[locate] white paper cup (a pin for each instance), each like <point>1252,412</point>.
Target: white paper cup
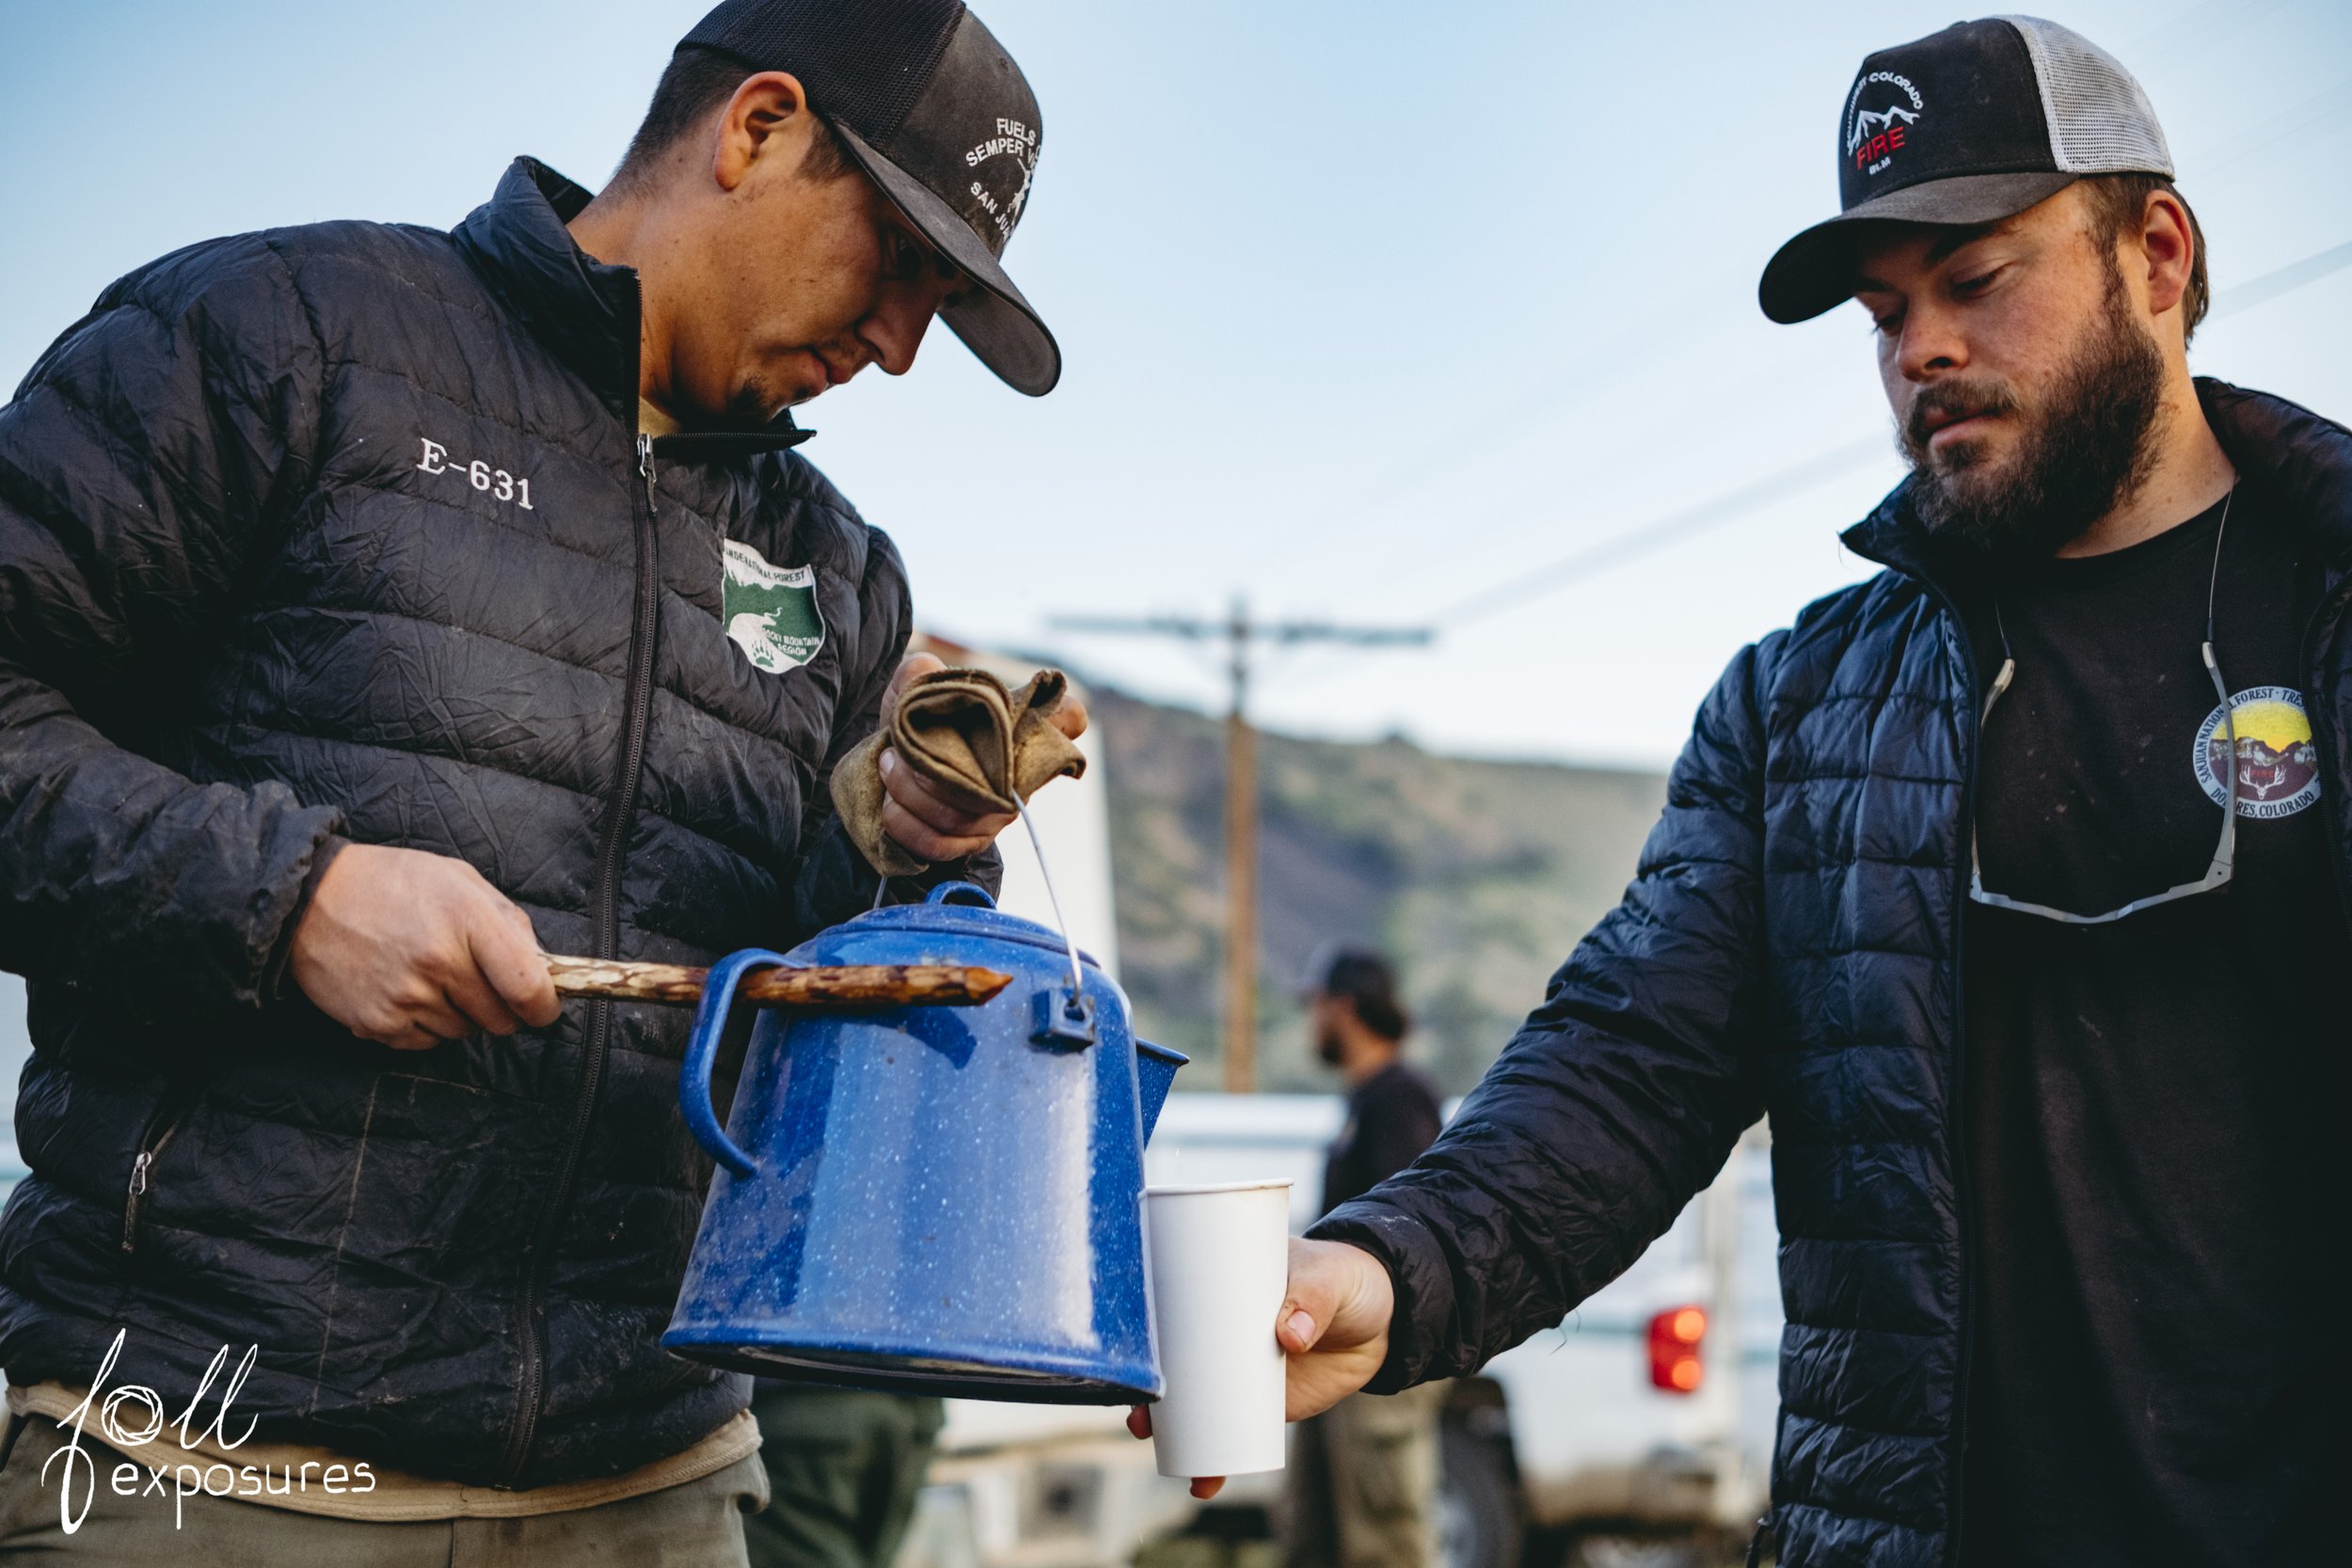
<point>1219,1257</point>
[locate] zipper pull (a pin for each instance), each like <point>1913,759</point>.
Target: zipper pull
<point>644,465</point>
<point>130,1203</point>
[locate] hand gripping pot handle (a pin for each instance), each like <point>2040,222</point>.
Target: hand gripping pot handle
<point>702,1053</point>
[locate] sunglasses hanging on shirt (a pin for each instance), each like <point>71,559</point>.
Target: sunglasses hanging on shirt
<point>2224,855</point>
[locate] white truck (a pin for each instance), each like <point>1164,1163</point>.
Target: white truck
<point>1636,1432</point>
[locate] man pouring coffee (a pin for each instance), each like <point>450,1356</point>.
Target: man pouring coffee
<point>378,607</point>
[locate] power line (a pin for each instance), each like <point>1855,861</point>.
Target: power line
<point>1241,636</point>
<point>1281,632</point>
<point>2270,285</point>
<point>1755,496</point>
<point>1711,513</point>
<point>2192,27</point>
<point>2270,135</point>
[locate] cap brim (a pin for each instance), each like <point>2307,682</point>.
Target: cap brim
<point>997,324</point>
<point>1815,272</point>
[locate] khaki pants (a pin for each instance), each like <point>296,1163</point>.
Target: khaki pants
<point>1363,1483</point>
<point>697,1525</point>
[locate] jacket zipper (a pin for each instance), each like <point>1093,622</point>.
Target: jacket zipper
<point>169,1113</point>
<point>639,699</point>
<point>1971,746</point>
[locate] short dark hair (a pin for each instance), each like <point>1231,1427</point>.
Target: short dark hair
<point>1365,982</point>
<point>696,86</point>
<point>2119,204</point>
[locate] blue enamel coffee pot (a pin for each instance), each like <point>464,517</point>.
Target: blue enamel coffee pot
<point>934,1199</point>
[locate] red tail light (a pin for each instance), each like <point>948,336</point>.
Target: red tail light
<point>1675,1336</point>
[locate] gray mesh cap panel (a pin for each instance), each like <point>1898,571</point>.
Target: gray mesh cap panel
<point>2101,121</point>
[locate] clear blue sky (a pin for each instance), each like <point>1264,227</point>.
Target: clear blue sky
<point>1366,307</point>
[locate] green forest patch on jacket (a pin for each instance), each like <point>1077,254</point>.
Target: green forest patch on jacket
<point>770,612</point>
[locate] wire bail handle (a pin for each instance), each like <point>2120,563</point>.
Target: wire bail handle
<point>1070,1019</point>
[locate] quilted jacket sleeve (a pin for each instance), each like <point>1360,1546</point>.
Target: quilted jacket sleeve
<point>834,883</point>
<point>1619,1098</point>
<point>150,453</point>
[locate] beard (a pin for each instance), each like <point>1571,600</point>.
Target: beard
<point>2081,452</point>
<point>756,405</point>
<point>1330,1048</point>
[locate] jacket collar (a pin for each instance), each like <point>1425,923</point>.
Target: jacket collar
<point>2292,452</point>
<point>585,312</point>
<point>2301,457</point>
<point>582,310</point>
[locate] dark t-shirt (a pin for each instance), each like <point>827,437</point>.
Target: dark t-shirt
<point>1391,1116</point>
<point>2153,1109</point>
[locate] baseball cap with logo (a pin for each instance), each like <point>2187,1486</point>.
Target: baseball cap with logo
<point>1967,126</point>
<point>927,102</point>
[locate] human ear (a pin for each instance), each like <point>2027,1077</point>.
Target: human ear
<point>2170,242</point>
<point>768,112</point>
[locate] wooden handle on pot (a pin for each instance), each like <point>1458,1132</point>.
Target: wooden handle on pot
<point>837,988</point>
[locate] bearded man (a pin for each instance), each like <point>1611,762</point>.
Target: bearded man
<point>2007,883</point>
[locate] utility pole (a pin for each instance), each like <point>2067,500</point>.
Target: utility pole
<point>1241,866</point>
<point>1241,635</point>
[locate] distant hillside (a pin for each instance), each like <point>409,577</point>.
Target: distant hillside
<point>1478,877</point>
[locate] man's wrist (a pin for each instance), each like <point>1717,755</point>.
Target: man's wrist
<point>1352,1225</point>
<point>274,980</point>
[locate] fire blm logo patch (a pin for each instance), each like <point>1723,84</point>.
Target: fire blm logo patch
<point>770,612</point>
<point>2278,767</point>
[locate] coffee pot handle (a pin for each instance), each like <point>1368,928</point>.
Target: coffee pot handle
<point>702,1053</point>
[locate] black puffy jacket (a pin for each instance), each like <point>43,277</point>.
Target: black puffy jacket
<point>1791,944</point>
<point>349,530</point>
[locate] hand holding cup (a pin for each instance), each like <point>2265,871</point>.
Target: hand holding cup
<point>1331,1329</point>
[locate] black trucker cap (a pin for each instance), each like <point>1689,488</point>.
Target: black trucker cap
<point>1970,125</point>
<point>931,107</point>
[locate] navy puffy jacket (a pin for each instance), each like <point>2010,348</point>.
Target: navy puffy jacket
<point>347,530</point>
<point>1792,945</point>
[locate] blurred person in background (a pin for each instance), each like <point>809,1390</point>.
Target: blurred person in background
<point>1363,1474</point>
<point>844,1468</point>
<point>378,607</point>
<point>2010,883</point>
